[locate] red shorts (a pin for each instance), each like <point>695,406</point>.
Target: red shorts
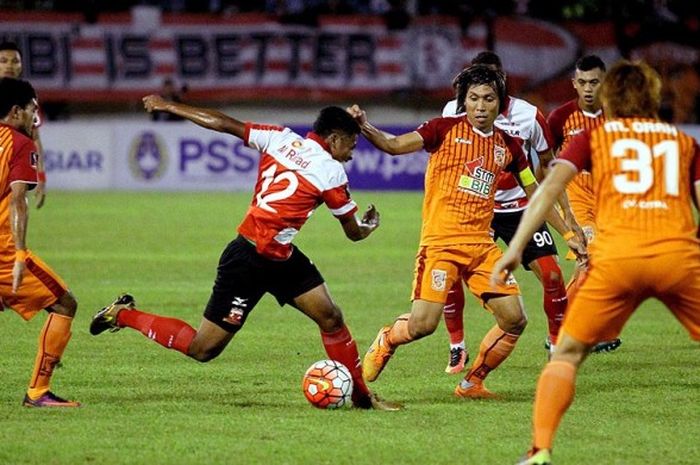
<point>439,267</point>
<point>613,289</point>
<point>40,287</point>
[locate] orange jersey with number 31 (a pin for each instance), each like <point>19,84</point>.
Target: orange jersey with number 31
<point>642,173</point>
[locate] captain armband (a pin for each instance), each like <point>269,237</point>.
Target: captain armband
<point>526,177</point>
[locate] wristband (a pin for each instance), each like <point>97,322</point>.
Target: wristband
<point>20,255</point>
<point>41,176</point>
<point>568,235</point>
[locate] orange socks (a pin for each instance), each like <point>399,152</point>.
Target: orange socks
<point>555,392</point>
<point>494,349</point>
<point>53,338</point>
<point>398,334</point>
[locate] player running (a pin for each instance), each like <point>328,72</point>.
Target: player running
<point>642,170</point>
<point>296,175</point>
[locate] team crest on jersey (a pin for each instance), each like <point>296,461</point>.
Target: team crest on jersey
<point>237,312</point>
<point>499,155</point>
<point>438,280</point>
<point>477,180</point>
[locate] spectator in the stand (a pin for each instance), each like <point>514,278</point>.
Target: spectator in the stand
<point>170,92</point>
<point>684,87</point>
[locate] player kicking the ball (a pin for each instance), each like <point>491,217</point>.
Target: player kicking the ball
<point>296,174</point>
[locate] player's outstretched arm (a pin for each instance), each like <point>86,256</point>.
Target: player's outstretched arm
<point>40,189</point>
<point>389,143</point>
<point>18,225</point>
<point>541,208</point>
<point>546,158</point>
<point>205,117</point>
<point>357,229</point>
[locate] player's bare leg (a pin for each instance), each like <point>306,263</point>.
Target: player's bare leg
<point>496,346</point>
<point>421,322</point>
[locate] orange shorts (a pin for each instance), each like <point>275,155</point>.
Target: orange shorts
<point>439,267</point>
<point>40,287</point>
<point>613,289</point>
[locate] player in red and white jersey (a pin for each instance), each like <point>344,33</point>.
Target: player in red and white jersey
<point>524,121</point>
<point>11,66</point>
<point>296,175</point>
<point>645,174</point>
<point>572,118</point>
<point>467,156</point>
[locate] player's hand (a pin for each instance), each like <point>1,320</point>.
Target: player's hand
<point>371,217</point>
<point>579,248</point>
<point>40,194</point>
<point>154,103</point>
<point>577,230</point>
<point>17,275</point>
<point>505,266</point>
<point>358,114</point>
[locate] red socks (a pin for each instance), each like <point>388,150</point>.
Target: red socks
<point>454,313</point>
<point>340,346</point>
<point>168,332</point>
<point>554,294</point>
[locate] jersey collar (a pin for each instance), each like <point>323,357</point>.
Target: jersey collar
<point>319,140</point>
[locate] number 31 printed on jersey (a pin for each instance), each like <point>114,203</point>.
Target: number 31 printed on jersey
<point>642,165</point>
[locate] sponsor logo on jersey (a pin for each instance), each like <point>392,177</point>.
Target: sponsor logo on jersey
<point>148,157</point>
<point>499,155</point>
<point>33,159</point>
<point>478,180</point>
<point>438,280</point>
<point>460,140</point>
<point>576,131</point>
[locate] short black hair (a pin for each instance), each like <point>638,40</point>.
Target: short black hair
<point>332,119</point>
<point>589,62</point>
<point>477,75</point>
<point>487,57</point>
<point>14,92</point>
<point>7,45</point>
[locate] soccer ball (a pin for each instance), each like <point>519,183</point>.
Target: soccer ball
<point>327,384</point>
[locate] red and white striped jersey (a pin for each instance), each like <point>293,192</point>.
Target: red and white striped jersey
<point>295,176</point>
<point>524,121</point>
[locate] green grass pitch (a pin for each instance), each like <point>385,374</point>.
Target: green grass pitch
<point>147,405</point>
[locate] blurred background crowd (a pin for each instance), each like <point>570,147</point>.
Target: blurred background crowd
<point>664,32</point>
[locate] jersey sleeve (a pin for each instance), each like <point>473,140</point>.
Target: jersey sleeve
<point>555,121</point>
<point>433,131</point>
<point>519,161</point>
<point>541,138</point>
<point>262,136</point>
<point>577,152</point>
<point>339,202</point>
<point>23,163</point>
<point>450,108</point>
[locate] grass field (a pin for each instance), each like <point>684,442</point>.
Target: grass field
<point>146,405</point>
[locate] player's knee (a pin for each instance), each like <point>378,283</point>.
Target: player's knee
<point>552,277</point>
<point>204,354</point>
<point>331,320</point>
<point>66,305</point>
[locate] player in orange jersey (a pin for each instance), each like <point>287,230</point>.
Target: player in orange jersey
<point>28,284</point>
<point>646,245</point>
<point>295,176</point>
<point>467,155</point>
<point>574,117</point>
<point>11,66</point>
